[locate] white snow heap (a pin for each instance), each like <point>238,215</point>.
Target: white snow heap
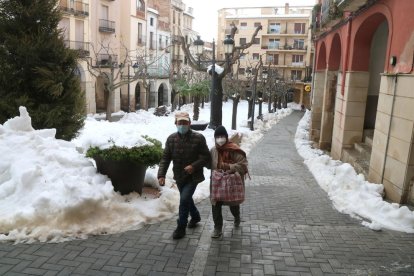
<point>22,123</point>
<point>217,68</point>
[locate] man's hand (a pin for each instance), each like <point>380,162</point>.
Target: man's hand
<point>161,181</point>
<point>189,169</point>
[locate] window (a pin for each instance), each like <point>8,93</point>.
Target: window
<point>299,28</point>
<point>297,58</point>
<point>298,43</point>
<point>151,40</point>
<point>241,71</point>
<point>256,40</point>
<point>173,17</point>
<point>140,5</point>
<point>242,56</point>
<point>242,41</point>
<point>273,59</point>
<point>274,28</point>
<point>140,40</point>
<point>257,24</point>
<point>274,43</point>
<point>160,42</point>
<point>151,21</point>
<point>255,56</point>
<point>295,75</point>
<point>243,25</point>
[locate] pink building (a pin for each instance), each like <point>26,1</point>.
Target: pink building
<point>363,89</point>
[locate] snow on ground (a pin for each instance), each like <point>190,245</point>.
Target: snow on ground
<point>50,192</point>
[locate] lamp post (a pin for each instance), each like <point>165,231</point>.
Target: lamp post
<point>215,96</point>
<point>135,67</point>
<point>264,78</point>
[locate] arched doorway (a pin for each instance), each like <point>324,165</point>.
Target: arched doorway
<point>101,98</point>
<point>376,67</point>
<point>160,95</point>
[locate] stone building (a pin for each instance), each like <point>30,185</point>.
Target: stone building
<point>362,99</point>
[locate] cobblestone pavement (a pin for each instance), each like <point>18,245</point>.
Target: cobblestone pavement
<point>289,227</point>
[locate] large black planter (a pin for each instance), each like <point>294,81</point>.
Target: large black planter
<point>126,176</point>
<point>199,126</point>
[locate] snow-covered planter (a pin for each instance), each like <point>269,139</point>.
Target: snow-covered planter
<point>126,166</point>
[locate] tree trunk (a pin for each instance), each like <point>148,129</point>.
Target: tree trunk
<point>216,103</point>
<point>249,113</point>
<point>234,115</point>
<point>196,109</point>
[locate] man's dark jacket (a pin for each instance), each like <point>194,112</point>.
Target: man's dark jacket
<point>183,150</point>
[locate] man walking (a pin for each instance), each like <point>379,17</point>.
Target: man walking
<point>189,153</point>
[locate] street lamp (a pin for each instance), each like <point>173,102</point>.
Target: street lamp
<point>216,96</point>
<point>264,78</point>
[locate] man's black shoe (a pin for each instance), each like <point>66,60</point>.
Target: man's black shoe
<point>193,222</point>
<point>179,232</point>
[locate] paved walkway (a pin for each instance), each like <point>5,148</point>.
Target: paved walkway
<point>289,227</point>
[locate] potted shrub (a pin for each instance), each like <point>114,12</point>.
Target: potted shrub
<point>126,166</point>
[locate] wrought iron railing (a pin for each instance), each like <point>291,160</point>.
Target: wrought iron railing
<point>82,47</point>
<point>74,7</point>
<point>106,26</point>
<point>107,60</point>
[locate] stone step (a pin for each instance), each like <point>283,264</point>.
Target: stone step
<point>364,149</point>
<point>368,140</point>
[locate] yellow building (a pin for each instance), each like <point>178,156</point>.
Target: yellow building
<point>284,43</point>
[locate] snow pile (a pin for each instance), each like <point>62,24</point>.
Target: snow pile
<point>351,193</point>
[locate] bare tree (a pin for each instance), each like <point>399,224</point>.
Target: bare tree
<point>227,65</point>
<point>105,65</point>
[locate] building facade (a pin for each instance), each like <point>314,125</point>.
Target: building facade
<point>283,44</point>
<point>115,37</point>
<point>362,98</point>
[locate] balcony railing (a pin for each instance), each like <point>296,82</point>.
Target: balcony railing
<point>178,4</point>
<point>107,60</point>
<point>106,26</point>
<point>330,13</point>
<point>350,5</point>
<point>298,64</point>
<point>141,13</point>
<point>80,46</point>
<point>285,47</point>
<point>163,25</point>
<point>77,8</point>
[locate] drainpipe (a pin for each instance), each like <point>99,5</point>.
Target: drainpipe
<point>389,128</point>
<point>345,66</point>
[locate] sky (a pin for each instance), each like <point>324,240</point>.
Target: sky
<point>50,192</point>
<point>205,21</point>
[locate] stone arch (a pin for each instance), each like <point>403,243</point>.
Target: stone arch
<point>335,54</point>
<point>139,98</point>
<point>321,60</point>
<point>362,44</point>
<point>101,98</point>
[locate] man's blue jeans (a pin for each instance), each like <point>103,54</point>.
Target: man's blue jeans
<point>187,205</point>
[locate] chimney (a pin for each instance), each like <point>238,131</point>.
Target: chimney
<point>287,8</point>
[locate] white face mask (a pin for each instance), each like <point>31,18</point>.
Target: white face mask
<point>221,141</point>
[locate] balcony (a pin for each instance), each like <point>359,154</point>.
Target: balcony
<point>106,26</point>
<point>80,46</point>
<point>77,8</point>
<point>141,13</point>
<point>178,4</point>
<point>350,5</point>
<point>298,64</point>
<point>330,13</point>
<point>163,25</point>
<point>107,61</point>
